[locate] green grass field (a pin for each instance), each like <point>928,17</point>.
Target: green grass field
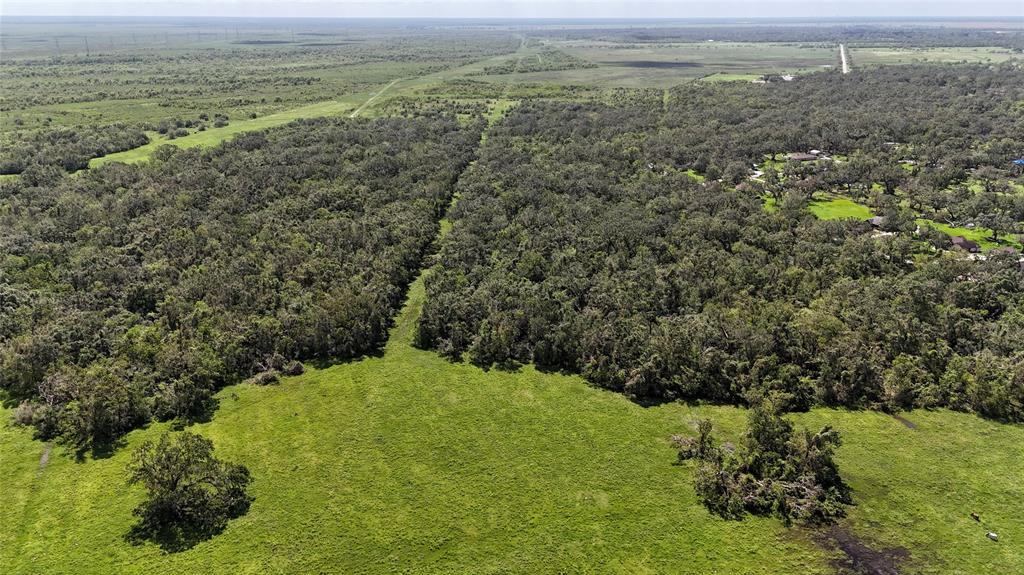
<point>666,64</point>
<point>866,56</point>
<point>725,77</point>
<point>839,208</point>
<point>408,463</point>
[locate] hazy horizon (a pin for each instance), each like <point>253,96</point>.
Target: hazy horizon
<point>526,9</point>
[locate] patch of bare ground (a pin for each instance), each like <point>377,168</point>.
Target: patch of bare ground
<point>45,457</point>
<point>904,421</point>
<point>859,558</point>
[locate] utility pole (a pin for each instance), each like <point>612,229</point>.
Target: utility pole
<point>86,45</point>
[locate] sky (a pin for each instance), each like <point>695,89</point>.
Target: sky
<point>522,8</point>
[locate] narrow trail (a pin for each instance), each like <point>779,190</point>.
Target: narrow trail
<point>371,99</point>
<point>44,459</point>
<point>845,59</point>
<point>403,331</point>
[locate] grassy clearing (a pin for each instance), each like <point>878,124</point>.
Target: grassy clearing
<point>407,463</point>
<point>983,236</point>
<point>213,136</point>
<point>498,108</point>
<point>839,208</point>
<point>724,77</point>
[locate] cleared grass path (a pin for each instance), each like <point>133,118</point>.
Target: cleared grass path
<point>214,136</point>
<point>372,98</point>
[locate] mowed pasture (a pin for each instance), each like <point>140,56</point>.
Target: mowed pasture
<point>410,463</point>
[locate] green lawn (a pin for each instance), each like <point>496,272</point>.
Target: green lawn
<point>214,136</point>
<point>408,463</point>
<point>980,235</point>
<point>695,175</point>
<point>839,208</point>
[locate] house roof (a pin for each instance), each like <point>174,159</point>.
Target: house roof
<point>966,244</point>
<point>801,157</point>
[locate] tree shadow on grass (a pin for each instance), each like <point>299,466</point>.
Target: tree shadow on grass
<point>99,449</point>
<point>182,535</point>
<point>324,363</point>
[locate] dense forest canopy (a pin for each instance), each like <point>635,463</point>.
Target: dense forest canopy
<point>623,235</point>
<point>947,117</point>
<point>68,148</point>
<point>136,291</point>
<point>580,243</point>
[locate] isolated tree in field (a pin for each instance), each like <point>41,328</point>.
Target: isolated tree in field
<point>776,470</point>
<point>190,493</point>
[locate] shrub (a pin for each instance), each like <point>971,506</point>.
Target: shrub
<point>293,368</point>
<point>270,377</point>
<point>776,470</point>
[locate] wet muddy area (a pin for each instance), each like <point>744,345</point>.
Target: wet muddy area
<point>858,557</point>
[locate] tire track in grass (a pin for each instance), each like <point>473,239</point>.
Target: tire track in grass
<point>373,97</point>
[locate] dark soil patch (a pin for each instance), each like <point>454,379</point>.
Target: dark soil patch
<point>659,64</point>
<point>904,421</point>
<point>860,559</point>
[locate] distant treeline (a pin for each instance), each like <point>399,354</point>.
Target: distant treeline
<point>132,292</point>
<point>866,34</point>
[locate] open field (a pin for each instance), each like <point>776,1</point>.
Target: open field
<point>869,56</point>
<point>496,472</point>
<point>663,65</point>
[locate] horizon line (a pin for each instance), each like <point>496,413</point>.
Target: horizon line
<point>547,18</point>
